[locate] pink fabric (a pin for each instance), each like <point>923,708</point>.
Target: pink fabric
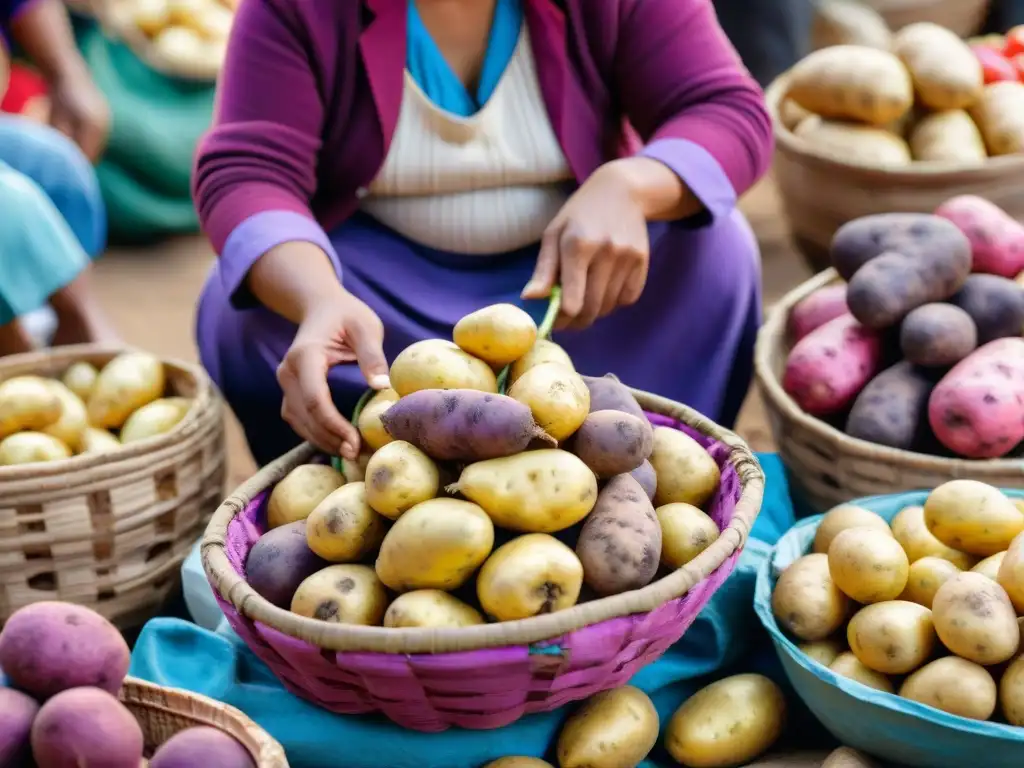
<point>487,688</point>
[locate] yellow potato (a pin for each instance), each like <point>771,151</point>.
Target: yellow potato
<point>27,402</point>
<point>849,666</point>
<point>854,143</point>
<point>437,364</point>
<point>948,137</point>
<point>999,115</point>
<point>823,651</point>
<point>369,424</point>
<point>975,619</point>
<point>398,477</point>
<point>430,608</point>
<point>31,448</point>
<point>299,492</point>
<point>151,16</point>
<point>806,602</point>
<point>557,396</point>
<point>529,576</point>
<point>614,729</point>
<point>945,72</point>
<point>852,82</point>
<point>686,531</point>
<point>849,22</point>
<point>840,518</point>
<point>342,594</point>
<point>990,566</point>
<point>792,114</point>
<point>543,351</point>
<point>925,577</point>
<point>519,762</point>
<point>727,723</point>
<point>868,565</point>
<point>954,685</point>
<point>894,637</point>
<point>355,471</point>
<point>80,378</point>
<point>125,384</point>
<point>973,517</point>
<point>213,21</point>
<point>73,420</point>
<point>156,418</point>
<point>499,334</point>
<point>1011,692</point>
<point>97,441</point>
<point>845,757</point>
<point>909,529</point>
<point>1010,573</point>
<point>686,472</point>
<point>342,528</point>
<point>437,544</point>
<point>534,492</point>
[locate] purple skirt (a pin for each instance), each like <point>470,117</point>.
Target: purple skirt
<point>690,338</point>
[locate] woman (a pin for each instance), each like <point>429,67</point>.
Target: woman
<point>378,169</point>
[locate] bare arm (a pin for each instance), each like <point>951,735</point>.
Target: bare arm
<point>42,28</point>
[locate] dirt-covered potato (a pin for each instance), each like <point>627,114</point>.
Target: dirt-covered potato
<point>557,397</point>
<point>342,594</point>
<point>995,304</point>
<point>954,685</point>
<point>973,517</point>
<point>823,651</point>
<point>937,334</point>
<point>369,424</point>
<point>945,72</point>
<point>686,531</point>
<point>894,637</point>
<point>613,729</point>
<point>854,143</point>
<point>806,601</point>
<point>848,665</point>
<point>840,518</point>
<point>925,577</point>
<point>529,576</point>
<point>613,443</point>
<point>975,619</point>
<point>343,528</point>
<point>438,364</point>
<point>910,530</point>
<point>430,608</point>
<point>1011,692</point>
<point>279,561</point>
<point>498,334</point>
<point>892,410</point>
<point>867,565</point>
<point>999,114</point>
<point>686,472</point>
<point>398,477</point>
<point>298,493</point>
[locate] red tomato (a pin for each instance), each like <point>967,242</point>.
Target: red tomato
<point>995,66</point>
<point>1014,42</point>
<point>1018,64</point>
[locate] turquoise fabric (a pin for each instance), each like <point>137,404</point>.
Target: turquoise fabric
<point>880,723</point>
<point>436,79</point>
<point>725,637</point>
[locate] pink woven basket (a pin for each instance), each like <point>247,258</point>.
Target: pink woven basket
<point>484,676</point>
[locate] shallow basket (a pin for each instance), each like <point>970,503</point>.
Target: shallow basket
<point>163,712</point>
<point>827,467</point>
<point>110,531</point>
<point>820,193</point>
<point>490,675</point>
<point>965,17</point>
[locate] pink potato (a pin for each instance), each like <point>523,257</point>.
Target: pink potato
<point>17,711</point>
<point>279,561</point>
<point>48,647</point>
<point>997,239</point>
<point>814,311</point>
<point>977,409</point>
<point>828,368</point>
<point>86,728</point>
<point>201,746</point>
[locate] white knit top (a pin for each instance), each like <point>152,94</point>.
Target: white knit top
<point>485,184</point>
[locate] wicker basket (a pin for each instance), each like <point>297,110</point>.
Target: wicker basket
<point>827,467</point>
<point>490,675</point>
<point>163,712</point>
<point>110,531</point>
<point>965,17</point>
<point>821,193</point>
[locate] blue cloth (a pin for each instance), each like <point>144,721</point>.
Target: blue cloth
<point>724,638</point>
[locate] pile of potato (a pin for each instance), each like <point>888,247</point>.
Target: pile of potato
<point>66,664</point>
<point>86,410</point>
<point>477,504</point>
<point>926,607</point>
<point>920,349</point>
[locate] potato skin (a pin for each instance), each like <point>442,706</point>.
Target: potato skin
<point>613,442</point>
<point>995,304</point>
<point>542,351</point>
<point>806,601</point>
<point>975,619</point>
<point>342,594</point>
<point>17,711</point>
<point>398,477</point>
<point>972,516</point>
<point>894,637</point>
<point>867,565</point>
<point>647,477</point>
<point>614,729</point>
<point>686,531</point>
<point>1011,692</point>
<point>607,393</point>
<point>892,409</point>
<point>298,493</point>
<point>953,685</point>
<point>201,745</point>
<point>86,727</point>
<point>343,528</point>
<point>838,519</point>
<point>937,334</point>
<point>498,334</point>
<point>1011,573</point>
<point>529,576</point>
<point>438,364</point>
<point>949,136</point>
<point>945,71</point>
<point>557,397</point>
<point>686,472</point>
<point>997,239</point>
<point>854,143</point>
<point>848,665</point>
<point>911,531</point>
<point>430,608</point>
<point>925,577</point>
<point>279,561</point>
<point>815,310</point>
<point>999,114</point>
<point>990,567</point>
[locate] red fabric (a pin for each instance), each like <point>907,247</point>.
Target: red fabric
<point>25,85</point>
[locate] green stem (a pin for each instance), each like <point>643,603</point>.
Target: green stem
<point>543,331</point>
<point>336,461</point>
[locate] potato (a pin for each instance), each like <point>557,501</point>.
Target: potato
<point>823,651</point>
<point>892,410</point>
<point>30,448</point>
<point>999,114</point>
<point>125,384</point>
<point>917,236</point>
<point>48,647</point>
<point>355,471</point>
<point>342,594</point>
<point>954,685</point>
<point>343,528</point>
<point>995,304</point>
<point>556,395</point>
<point>97,441</point>
<point>86,727</point>
<point>947,137</point>
<point>430,608</point>
<point>850,82</point>
<point>937,334</point>
<point>534,492</point>
<point>398,477</point>
<point>369,422</point>
<point>437,364</point>
<point>439,546</point>
<point>848,665</point>
<point>990,566</point>
<point>201,745</point>
<point>853,143</point>
<point>17,711</point>
<point>156,418</point>
<point>845,757</point>
<point>543,351</point>
<point>1010,573</point>
<point>792,114</point>
<point>298,493</point>
<point>80,378</point>
<point>620,542</point>
<point>894,637</point>
<point>925,577</point>
<point>868,565</point>
<point>815,310</point>
<point>840,518</point>
<point>975,619</point>
<point>972,516</point>
<point>613,729</point>
<point>686,472</point>
<point>910,530</point>
<point>529,576</point>
<point>27,402</point>
<point>686,531</point>
<point>648,479</point>
<point>848,22</point>
<point>729,722</point>
<point>945,72</point>
<point>1011,692</point>
<point>499,334</point>
<point>613,443</point>
<point>280,561</point>
<point>997,239</point>
<point>806,601</point>
<point>607,393</point>
<point>519,762</point>
<point>73,421</point>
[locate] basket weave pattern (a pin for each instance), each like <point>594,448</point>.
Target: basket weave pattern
<point>965,17</point>
<point>487,676</point>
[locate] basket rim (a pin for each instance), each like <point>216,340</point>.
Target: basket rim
<point>339,637</point>
<point>774,333</point>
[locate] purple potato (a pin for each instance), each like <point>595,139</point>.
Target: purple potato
<point>86,728</point>
<point>937,335</point>
<point>607,393</point>
<point>201,746</point>
<point>613,442</point>
<point>647,477</point>
<point>281,560</point>
<point>892,409</point>
<point>996,304</point>
<point>17,711</point>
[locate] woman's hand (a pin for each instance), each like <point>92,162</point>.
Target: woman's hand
<point>78,110</point>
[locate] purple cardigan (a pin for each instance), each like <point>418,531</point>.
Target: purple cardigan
<point>309,97</point>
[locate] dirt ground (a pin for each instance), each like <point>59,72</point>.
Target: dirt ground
<point>160,319</point>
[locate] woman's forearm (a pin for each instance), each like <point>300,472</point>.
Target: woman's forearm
<point>292,278</point>
<point>43,30</point>
<point>658,190</point>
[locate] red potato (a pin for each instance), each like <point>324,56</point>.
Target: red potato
<point>201,746</point>
<point>823,305</point>
<point>831,365</point>
<point>994,65</point>
<point>86,728</point>
<point>17,711</point>
<point>997,239</point>
<point>977,409</point>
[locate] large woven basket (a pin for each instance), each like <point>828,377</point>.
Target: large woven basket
<point>965,17</point>
<point>110,531</point>
<point>820,193</point>
<point>163,712</point>
<point>827,467</point>
<point>490,675</point>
